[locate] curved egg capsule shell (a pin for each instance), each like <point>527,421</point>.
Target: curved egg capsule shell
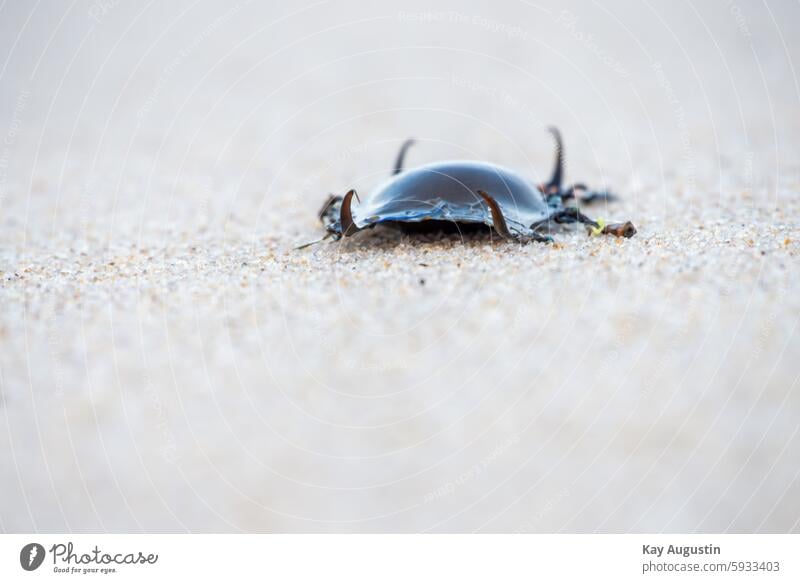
<point>448,191</point>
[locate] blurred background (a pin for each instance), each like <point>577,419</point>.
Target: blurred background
<point>170,363</point>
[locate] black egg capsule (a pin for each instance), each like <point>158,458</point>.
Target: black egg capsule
<point>464,193</point>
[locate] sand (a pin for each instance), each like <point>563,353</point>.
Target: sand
<point>171,363</point>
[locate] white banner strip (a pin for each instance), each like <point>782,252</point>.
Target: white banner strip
<point>401,558</point>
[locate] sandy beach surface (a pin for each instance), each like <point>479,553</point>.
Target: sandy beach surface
<point>171,363</point>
